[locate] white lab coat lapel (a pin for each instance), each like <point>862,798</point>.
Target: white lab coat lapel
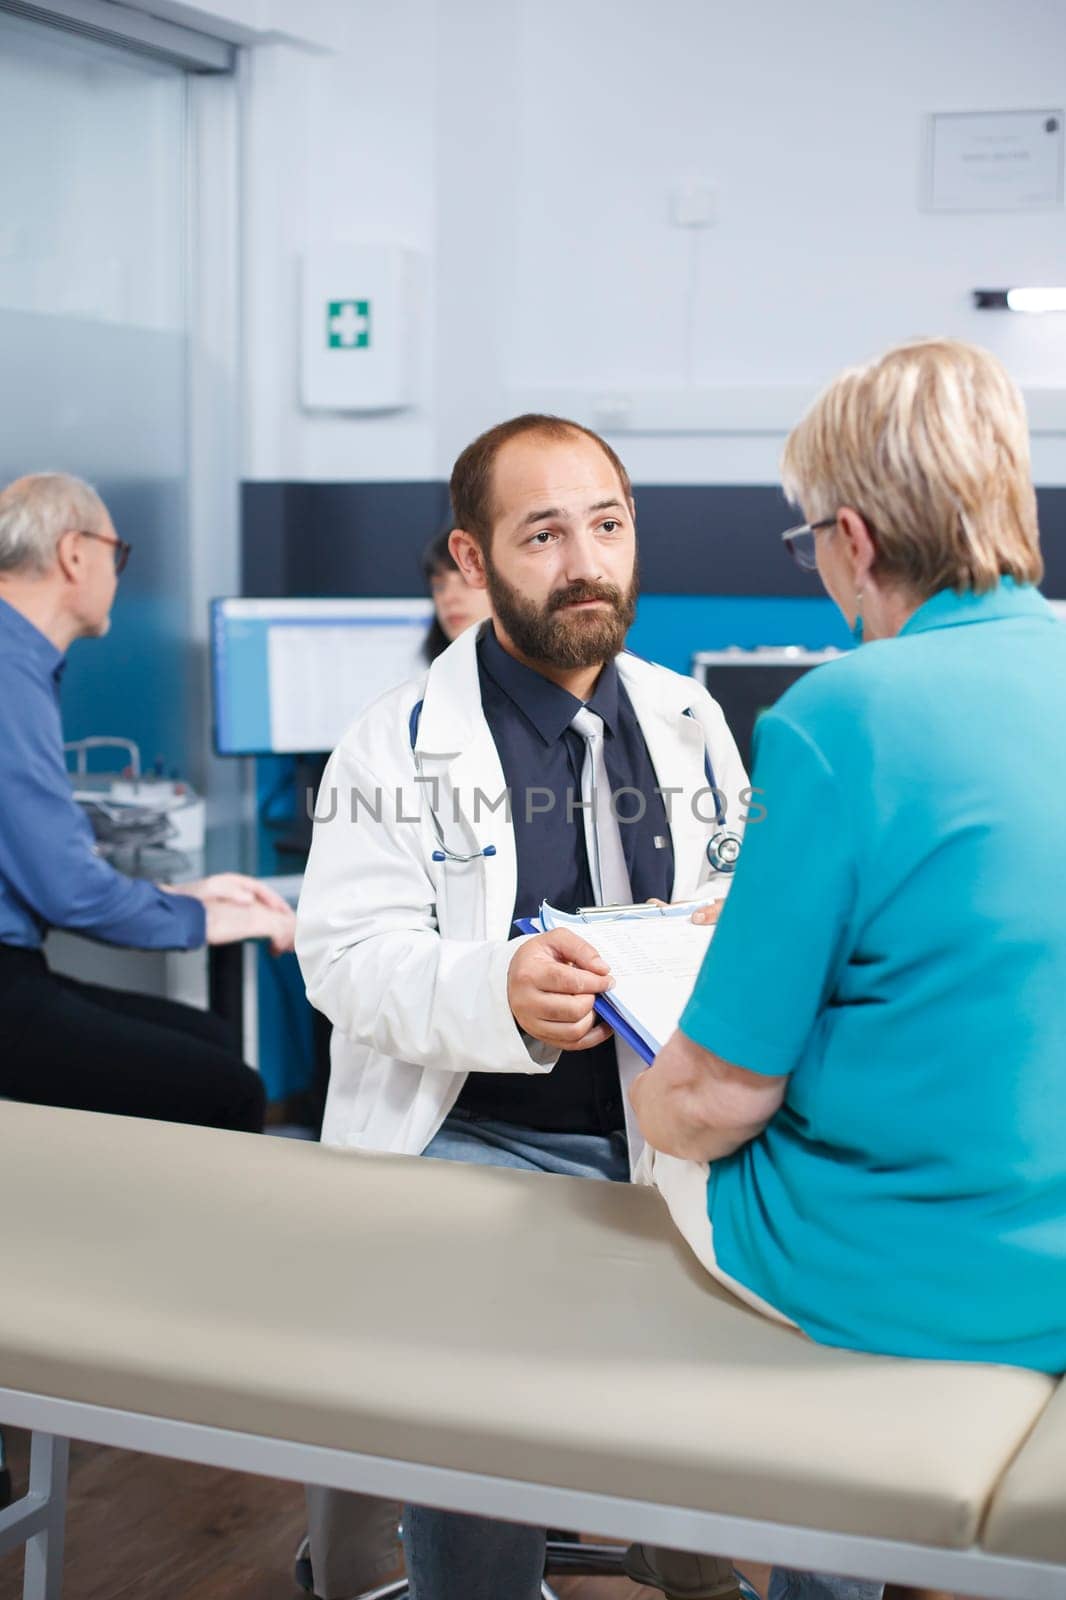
<point>677,748</point>
<point>456,746</point>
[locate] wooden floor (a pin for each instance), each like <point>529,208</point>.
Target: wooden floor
<point>140,1527</point>
<point>144,1528</point>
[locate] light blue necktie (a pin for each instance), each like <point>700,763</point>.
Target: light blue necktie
<point>603,839</point>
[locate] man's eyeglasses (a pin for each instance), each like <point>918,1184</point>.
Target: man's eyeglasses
<point>119,546</point>
<point>799,542</point>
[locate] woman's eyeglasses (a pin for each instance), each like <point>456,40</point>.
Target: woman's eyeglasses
<point>799,542</point>
<point>119,546</point>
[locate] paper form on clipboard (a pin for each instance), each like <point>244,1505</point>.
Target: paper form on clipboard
<point>654,953</point>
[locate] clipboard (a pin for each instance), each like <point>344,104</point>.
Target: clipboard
<point>602,1004</point>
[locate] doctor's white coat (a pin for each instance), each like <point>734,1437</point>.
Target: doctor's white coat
<point>407,956</point>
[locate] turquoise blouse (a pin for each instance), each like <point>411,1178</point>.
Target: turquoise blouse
<point>895,942</point>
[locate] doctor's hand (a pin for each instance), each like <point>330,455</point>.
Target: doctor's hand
<point>551,984</point>
<point>707,912</point>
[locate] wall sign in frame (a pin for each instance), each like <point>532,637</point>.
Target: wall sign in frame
<point>994,160</point>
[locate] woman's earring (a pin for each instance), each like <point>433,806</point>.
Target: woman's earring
<point>856,632</point>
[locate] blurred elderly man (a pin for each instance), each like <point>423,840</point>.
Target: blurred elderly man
<point>68,1043</point>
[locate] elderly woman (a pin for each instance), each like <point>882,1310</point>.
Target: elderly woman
<point>873,1061</point>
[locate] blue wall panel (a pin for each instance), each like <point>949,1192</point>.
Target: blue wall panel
<point>670,628</point>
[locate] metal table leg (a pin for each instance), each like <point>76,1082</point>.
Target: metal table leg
<point>38,1519</point>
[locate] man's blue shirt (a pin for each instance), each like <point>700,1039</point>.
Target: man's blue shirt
<point>895,942</point>
<point>50,874</point>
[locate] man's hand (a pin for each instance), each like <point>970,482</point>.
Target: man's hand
<point>231,888</point>
<point>228,922</point>
<point>241,908</point>
<point>551,984</point>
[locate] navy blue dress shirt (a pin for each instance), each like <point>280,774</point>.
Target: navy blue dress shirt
<point>542,756</point>
<point>50,874</point>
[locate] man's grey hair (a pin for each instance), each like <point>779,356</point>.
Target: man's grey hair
<point>36,511</point>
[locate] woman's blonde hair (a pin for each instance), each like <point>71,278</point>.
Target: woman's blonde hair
<point>930,445</point>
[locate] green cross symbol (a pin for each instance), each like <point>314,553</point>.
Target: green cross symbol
<point>348,324</point>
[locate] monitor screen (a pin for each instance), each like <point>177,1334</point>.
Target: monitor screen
<point>748,682</point>
<point>289,676</point>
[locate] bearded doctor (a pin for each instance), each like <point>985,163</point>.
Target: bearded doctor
<point>536,760</point>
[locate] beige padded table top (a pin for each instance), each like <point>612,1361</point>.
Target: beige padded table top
<point>1028,1516</point>
<point>551,1330</point>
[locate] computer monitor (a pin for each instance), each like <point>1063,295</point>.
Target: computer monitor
<point>290,676</point>
<point>747,682</point>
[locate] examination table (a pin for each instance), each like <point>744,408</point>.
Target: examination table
<point>544,1349</point>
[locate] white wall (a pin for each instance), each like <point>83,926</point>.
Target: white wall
<point>338,146</point>
<point>528,148</point>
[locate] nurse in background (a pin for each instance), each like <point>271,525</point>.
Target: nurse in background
<point>860,1118</point>
<point>455,604</point>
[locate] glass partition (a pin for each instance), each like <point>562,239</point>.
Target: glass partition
<point>93,345</point>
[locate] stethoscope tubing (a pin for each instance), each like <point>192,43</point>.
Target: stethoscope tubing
<point>723,848</point>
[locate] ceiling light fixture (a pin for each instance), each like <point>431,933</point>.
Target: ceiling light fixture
<point>1050,299</point>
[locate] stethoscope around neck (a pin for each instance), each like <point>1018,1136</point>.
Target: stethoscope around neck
<point>723,847</point>
<point>442,852</point>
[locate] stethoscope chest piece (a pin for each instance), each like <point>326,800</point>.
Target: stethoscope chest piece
<point>723,849</point>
